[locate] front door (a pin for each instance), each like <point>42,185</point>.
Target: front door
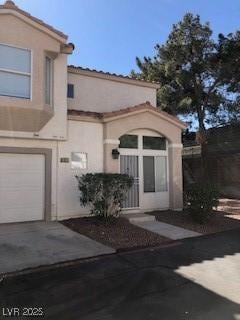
<point>129,165</point>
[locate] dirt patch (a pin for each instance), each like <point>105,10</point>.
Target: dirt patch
<point>220,221</point>
<point>117,233</point>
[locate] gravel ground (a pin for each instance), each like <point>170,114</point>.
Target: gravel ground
<point>220,221</point>
<point>117,233</point>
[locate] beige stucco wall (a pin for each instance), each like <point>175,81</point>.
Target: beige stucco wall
<point>175,177</point>
<point>82,137</point>
<point>57,126</point>
<point>142,120</point>
<point>101,95</point>
<point>18,114</point>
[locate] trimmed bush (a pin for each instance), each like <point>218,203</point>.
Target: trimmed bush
<point>200,200</point>
<point>104,192</point>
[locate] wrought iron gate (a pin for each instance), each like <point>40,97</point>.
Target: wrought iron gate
<point>129,165</point>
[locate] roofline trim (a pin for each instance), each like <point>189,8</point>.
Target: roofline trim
<point>111,77</point>
<point>160,114</point>
<point>83,118</point>
<point>37,23</point>
<point>104,117</point>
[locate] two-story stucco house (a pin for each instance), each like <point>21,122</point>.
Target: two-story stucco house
<point>58,121</point>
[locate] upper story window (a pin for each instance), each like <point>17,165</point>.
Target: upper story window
<point>129,141</point>
<point>15,72</point>
<point>48,80</point>
<point>70,90</point>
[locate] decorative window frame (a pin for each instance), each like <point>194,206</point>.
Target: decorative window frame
<point>74,167</point>
<point>28,74</point>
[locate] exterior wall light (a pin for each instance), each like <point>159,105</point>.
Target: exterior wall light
<point>115,153</point>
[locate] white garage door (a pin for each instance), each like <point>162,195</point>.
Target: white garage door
<point>22,184</point>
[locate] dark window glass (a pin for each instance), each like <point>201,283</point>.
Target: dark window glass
<point>148,174</point>
<point>154,143</point>
<point>48,80</point>
<point>70,90</point>
<point>129,141</point>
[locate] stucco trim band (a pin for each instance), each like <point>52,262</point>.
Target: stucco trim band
<point>175,145</point>
<point>111,141</point>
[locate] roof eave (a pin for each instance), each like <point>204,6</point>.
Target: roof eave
<point>176,122</point>
<point>112,77</point>
<point>35,22</point>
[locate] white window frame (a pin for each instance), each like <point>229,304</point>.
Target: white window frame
<point>147,152</point>
<point>86,162</point>
<point>29,74</point>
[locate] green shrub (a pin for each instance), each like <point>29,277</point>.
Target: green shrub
<point>200,200</point>
<point>103,192</point>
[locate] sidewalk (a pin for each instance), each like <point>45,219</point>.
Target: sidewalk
<point>164,229</point>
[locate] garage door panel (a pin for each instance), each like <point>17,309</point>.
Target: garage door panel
<point>22,185</point>
<point>21,159</point>
<point>21,198</point>
<point>10,217</point>
<point>11,180</point>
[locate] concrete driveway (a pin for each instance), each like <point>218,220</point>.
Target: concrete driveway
<point>29,245</point>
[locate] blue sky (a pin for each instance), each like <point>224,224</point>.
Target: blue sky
<point>109,34</point>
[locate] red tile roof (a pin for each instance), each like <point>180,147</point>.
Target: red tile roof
<point>111,74</point>
<point>11,5</point>
<point>142,106</point>
<point>106,115</point>
<point>73,112</point>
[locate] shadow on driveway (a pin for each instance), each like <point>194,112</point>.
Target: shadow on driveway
<point>171,283</point>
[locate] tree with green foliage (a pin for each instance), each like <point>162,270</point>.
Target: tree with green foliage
<point>199,77</point>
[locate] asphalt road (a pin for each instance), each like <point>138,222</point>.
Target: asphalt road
<point>195,279</point>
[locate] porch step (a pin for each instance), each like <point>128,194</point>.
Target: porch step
<point>139,217</point>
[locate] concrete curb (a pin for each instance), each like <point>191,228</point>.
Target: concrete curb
<point>53,266</point>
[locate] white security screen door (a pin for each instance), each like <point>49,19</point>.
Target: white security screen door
<point>129,165</point>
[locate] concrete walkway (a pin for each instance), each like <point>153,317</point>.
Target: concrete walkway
<point>30,245</point>
<point>148,222</point>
